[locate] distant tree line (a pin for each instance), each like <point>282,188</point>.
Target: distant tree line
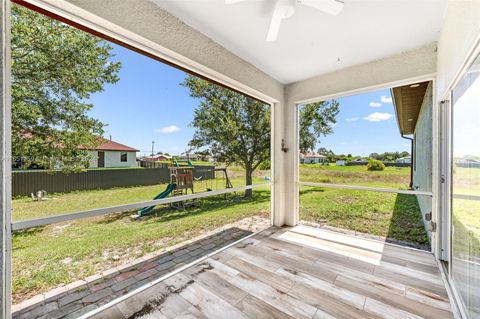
<point>389,156</point>
<point>384,157</point>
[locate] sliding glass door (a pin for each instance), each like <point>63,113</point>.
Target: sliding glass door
<point>465,257</point>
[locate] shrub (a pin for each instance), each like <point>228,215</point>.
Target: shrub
<point>375,165</point>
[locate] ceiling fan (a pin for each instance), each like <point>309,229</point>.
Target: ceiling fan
<point>286,8</point>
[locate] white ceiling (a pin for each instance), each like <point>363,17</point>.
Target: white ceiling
<point>311,42</point>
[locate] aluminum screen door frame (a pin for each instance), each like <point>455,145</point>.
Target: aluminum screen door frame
<point>5,167</point>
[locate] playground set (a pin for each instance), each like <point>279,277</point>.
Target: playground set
<point>181,182</point>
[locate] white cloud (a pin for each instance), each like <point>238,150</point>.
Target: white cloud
<point>375,104</point>
<point>386,99</point>
<point>377,117</point>
<point>168,129</point>
<point>352,119</point>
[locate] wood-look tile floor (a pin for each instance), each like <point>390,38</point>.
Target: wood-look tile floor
<point>299,272</point>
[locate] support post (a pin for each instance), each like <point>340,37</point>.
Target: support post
<point>5,164</point>
<point>277,159</point>
<point>291,191</point>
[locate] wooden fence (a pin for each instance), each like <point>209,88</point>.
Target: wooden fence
<point>26,182</point>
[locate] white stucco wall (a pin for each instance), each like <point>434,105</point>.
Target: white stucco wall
<point>406,65</point>
<point>112,159</point>
<point>422,170</point>
<point>460,32</point>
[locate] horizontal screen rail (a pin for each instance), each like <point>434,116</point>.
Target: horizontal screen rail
<point>365,188</point>
<point>468,197</point>
<point>25,224</point>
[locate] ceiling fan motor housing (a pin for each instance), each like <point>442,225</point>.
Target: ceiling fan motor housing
<point>286,8</point>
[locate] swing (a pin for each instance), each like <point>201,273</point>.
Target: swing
<point>227,182</point>
<point>208,189</point>
<point>197,179</point>
<point>216,180</point>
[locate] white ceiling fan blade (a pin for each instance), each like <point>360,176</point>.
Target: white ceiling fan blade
<point>227,2</point>
<point>274,27</point>
<point>333,7</point>
<point>283,10</point>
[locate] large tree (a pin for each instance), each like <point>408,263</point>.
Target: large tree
<point>55,69</point>
<point>316,119</point>
<point>234,127</point>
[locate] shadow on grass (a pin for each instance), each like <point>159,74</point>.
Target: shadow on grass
<point>311,190</point>
<point>406,225</point>
<point>29,232</point>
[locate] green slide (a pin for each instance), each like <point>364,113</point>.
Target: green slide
<point>146,210</point>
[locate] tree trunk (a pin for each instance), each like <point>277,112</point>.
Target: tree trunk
<point>248,181</point>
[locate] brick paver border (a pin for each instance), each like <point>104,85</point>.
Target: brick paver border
<point>82,296</point>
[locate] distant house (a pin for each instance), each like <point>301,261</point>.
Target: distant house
<point>341,163</point>
<point>405,160</point>
<point>189,156</point>
<point>209,158</point>
<point>112,154</point>
<point>313,158</point>
<point>467,162</point>
<point>158,158</point>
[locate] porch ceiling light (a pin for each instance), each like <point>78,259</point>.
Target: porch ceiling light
<point>415,85</point>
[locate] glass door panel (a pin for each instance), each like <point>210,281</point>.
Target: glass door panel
<point>466,190</point>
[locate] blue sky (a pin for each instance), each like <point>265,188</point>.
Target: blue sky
<point>366,124</point>
<point>148,104</point>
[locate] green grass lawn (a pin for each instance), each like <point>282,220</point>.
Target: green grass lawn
<point>389,215</point>
<point>391,177</point>
<point>395,216</point>
<point>23,208</point>
<point>466,227</point>
<point>46,257</point>
<point>466,213</point>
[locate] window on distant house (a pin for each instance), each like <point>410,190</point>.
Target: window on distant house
<point>123,156</point>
